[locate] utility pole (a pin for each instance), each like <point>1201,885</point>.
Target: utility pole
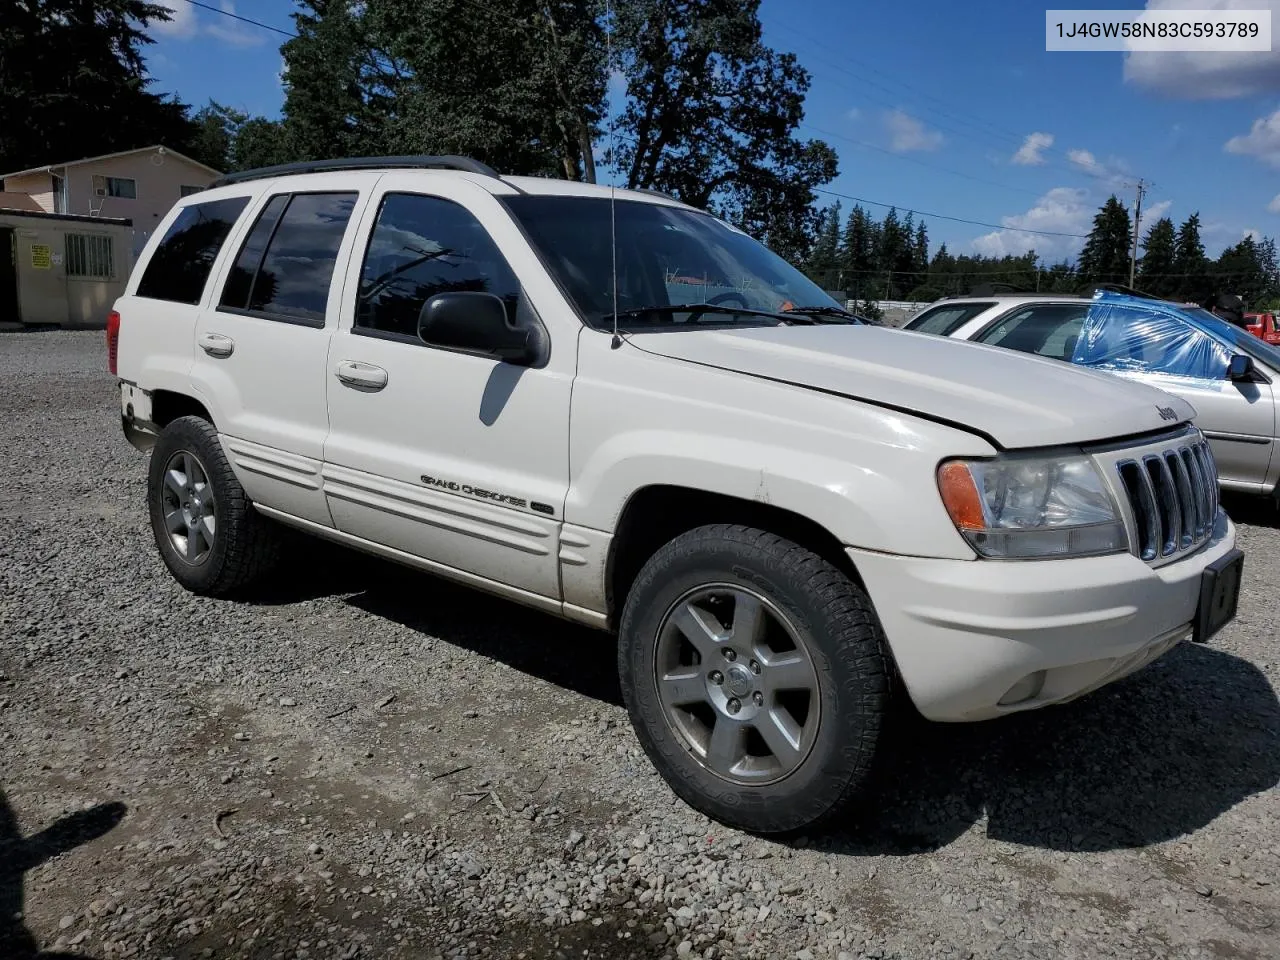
<point>1137,228</point>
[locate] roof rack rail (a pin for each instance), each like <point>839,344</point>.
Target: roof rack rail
<point>1093,288</point>
<point>359,163</point>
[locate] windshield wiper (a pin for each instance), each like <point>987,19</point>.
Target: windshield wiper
<point>698,308</point>
<point>844,315</point>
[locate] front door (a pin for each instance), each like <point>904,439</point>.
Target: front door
<point>262,341</point>
<point>456,459</point>
<point>9,312</point>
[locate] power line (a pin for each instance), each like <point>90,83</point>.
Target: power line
<point>942,216</point>
<point>236,16</point>
<point>918,161</point>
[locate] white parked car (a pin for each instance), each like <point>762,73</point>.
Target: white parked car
<point>786,519</point>
<point>1228,375</point>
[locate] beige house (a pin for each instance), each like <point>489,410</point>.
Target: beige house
<point>138,185</point>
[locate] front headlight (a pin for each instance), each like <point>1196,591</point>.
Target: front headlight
<point>1015,507</point>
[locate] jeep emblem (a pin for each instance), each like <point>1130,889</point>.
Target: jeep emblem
<point>1166,413</point>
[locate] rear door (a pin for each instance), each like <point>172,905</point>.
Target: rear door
<point>262,341</point>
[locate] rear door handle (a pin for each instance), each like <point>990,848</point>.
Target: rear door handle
<point>362,376</point>
<point>216,345</point>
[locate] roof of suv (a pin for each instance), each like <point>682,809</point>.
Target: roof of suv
<point>446,166</point>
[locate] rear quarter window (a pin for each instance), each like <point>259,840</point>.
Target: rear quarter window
<point>180,265</point>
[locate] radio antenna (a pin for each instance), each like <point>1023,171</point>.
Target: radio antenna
<point>613,162</point>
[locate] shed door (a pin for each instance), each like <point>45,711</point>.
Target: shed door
<point>8,277</point>
<point>42,277</point>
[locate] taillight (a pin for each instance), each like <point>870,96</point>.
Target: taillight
<point>113,339</point>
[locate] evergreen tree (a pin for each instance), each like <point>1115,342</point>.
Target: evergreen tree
<point>1157,269</point>
<point>893,250</point>
<point>1240,271</point>
<point>1105,257</point>
<point>1189,262</point>
<point>824,261</point>
<point>858,253</point>
<point>73,84</point>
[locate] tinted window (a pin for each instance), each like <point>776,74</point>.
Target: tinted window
<point>181,263</point>
<point>292,280</point>
<point>422,246</point>
<point>1050,331</point>
<point>239,285</point>
<point>946,319</point>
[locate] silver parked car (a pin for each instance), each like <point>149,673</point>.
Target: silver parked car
<point>1231,377</point>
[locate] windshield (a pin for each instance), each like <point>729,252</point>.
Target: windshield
<point>1236,336</point>
<point>665,256</point>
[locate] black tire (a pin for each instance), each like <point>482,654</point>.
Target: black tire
<point>846,647</point>
<point>245,545</point>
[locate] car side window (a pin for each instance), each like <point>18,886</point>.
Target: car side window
<point>1048,330</point>
<point>180,265</point>
<point>1123,338</point>
<point>286,263</point>
<point>946,319</point>
<point>421,246</point>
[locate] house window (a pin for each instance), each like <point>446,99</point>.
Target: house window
<point>122,187</point>
<point>89,256</point>
<point>59,187</point>
<point>186,190</point>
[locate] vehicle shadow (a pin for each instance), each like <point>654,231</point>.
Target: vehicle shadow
<point>1252,510</point>
<point>1151,758</point>
<point>20,854</point>
<point>1148,759</point>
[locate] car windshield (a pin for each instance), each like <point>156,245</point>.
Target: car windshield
<point>666,256</point>
<point>1238,337</point>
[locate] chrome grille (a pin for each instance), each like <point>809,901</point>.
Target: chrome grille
<point>1173,495</point>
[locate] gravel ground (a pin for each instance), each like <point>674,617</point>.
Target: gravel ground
<point>371,763</point>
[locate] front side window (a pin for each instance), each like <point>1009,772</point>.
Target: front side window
<point>122,187</point>
<point>1124,338</point>
<point>665,256</point>
<point>286,264</point>
<point>946,319</point>
<point>1046,330</point>
<point>421,246</point>
<point>181,262</point>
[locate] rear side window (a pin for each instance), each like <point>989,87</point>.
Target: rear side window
<point>422,246</point>
<point>1050,331</point>
<point>946,319</point>
<point>181,263</point>
<point>285,266</point>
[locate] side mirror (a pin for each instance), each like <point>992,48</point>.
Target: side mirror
<point>476,323</point>
<point>1240,368</point>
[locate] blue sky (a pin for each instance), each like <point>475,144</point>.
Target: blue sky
<point>946,108</point>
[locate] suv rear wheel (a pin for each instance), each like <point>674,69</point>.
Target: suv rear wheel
<point>755,674</point>
<point>209,536</point>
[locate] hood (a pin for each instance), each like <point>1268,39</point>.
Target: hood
<point>1016,399</point>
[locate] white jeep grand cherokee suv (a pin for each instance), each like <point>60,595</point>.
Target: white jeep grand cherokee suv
<point>786,517</point>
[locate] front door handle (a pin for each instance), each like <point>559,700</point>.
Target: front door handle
<point>216,345</point>
<point>362,376</point>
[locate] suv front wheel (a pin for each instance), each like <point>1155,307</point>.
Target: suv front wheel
<point>756,676</point>
<point>209,536</point>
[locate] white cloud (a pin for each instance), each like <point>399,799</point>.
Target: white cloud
<point>1274,205</point>
<point>1152,213</point>
<point>907,134</point>
<point>234,32</point>
<point>186,24</point>
<point>1262,141</point>
<point>1061,210</point>
<point>182,23</point>
<point>1112,171</point>
<point>1032,150</point>
<point>853,113</point>
<point>1207,76</point>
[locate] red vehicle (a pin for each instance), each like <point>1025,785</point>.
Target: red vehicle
<point>1264,325</point>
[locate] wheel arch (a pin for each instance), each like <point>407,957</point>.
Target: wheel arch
<point>657,514</point>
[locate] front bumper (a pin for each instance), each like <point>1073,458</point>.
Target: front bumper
<point>968,634</point>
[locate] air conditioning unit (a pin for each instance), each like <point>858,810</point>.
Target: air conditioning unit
<point>99,185</point>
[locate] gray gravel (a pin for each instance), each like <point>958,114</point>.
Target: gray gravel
<point>371,763</point>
